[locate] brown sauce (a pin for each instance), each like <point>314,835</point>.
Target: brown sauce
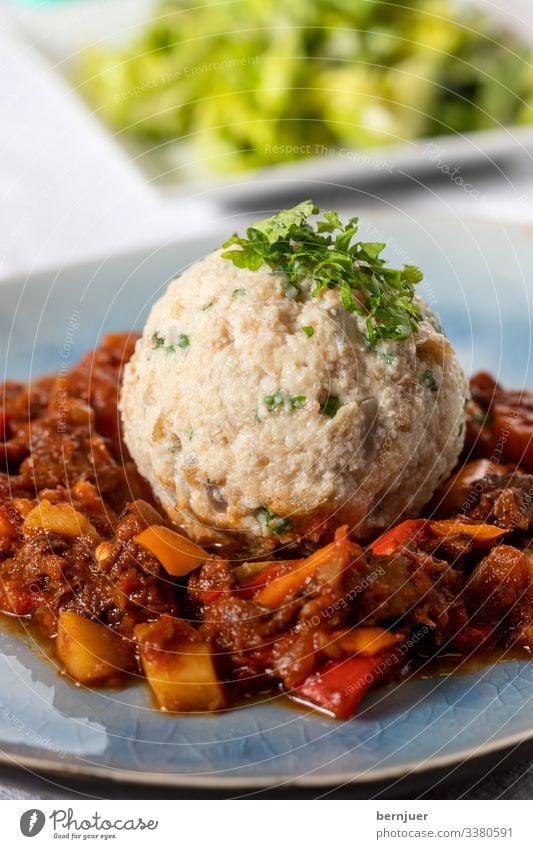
<point>454,663</point>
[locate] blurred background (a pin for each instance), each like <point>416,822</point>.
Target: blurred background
<point>132,122</point>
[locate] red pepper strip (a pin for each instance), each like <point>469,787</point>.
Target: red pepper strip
<point>341,684</point>
<point>395,538</point>
<point>209,596</point>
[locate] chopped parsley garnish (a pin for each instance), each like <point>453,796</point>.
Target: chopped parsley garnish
<point>274,401</point>
<point>296,402</point>
<point>308,330</point>
<point>428,379</point>
<point>208,306</point>
<point>330,406</point>
<point>325,253</point>
<point>276,524</point>
<point>159,342</point>
<point>278,399</point>
<point>237,292</point>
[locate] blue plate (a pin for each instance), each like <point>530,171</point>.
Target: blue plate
<point>478,278</point>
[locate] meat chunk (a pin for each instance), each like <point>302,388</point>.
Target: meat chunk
<point>412,588</point>
<point>505,500</point>
<point>500,423</point>
<point>521,615</point>
<point>497,583</point>
<point>119,584</point>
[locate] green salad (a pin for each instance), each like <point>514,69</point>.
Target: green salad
<point>248,83</point>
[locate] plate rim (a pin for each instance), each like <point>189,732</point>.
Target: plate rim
<point>72,767</point>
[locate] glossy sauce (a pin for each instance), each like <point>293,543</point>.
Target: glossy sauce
<point>454,663</point>
<point>438,666</point>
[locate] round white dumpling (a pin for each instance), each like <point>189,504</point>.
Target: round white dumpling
<point>259,418</point>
